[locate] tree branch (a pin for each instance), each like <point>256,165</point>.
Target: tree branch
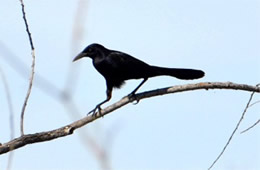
<point>32,70</point>
<point>69,129</point>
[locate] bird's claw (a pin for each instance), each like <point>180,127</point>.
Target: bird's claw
<point>96,110</point>
<point>132,95</point>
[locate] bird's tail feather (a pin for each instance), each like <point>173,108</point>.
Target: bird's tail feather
<point>180,73</point>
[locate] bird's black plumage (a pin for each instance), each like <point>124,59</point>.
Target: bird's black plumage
<point>116,67</point>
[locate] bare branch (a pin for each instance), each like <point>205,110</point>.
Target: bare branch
<point>234,131</point>
<point>32,71</point>
<point>69,129</point>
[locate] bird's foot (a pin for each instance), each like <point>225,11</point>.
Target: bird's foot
<point>96,110</point>
<point>133,96</point>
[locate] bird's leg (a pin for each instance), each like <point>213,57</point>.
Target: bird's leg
<point>132,94</point>
<point>98,107</point>
<point>144,80</point>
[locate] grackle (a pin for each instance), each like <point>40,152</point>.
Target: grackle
<point>116,67</point>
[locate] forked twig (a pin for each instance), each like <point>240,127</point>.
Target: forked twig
<point>234,131</point>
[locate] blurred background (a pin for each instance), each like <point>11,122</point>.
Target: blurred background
<point>178,131</point>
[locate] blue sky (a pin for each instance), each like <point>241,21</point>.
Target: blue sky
<point>178,131</point>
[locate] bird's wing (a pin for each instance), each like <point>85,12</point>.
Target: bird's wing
<point>125,60</point>
<point>127,66</point>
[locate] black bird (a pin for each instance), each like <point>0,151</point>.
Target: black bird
<point>116,67</point>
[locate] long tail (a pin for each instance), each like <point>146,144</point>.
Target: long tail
<point>180,73</point>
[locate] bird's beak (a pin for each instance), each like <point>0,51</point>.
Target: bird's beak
<point>79,56</point>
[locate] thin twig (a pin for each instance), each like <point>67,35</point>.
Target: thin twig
<point>11,114</point>
<point>254,103</point>
<point>69,129</point>
<point>32,71</point>
<point>250,127</point>
<point>27,26</point>
<point>255,122</point>
<point>234,131</point>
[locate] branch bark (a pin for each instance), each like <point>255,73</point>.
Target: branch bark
<point>69,129</point>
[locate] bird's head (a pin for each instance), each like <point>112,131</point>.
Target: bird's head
<point>92,51</point>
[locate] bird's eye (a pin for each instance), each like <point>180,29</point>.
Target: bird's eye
<point>90,50</point>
